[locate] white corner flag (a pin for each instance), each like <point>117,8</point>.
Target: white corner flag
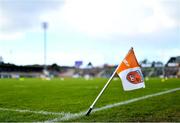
<point>130,73</point>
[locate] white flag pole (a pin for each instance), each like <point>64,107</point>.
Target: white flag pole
<point>99,95</point>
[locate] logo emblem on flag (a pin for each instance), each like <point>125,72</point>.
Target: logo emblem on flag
<point>134,77</point>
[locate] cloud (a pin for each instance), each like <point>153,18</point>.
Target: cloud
<point>61,58</point>
<point>127,17</point>
<point>93,17</point>
<point>171,8</point>
<point>21,15</point>
<point>11,37</point>
<point>164,54</point>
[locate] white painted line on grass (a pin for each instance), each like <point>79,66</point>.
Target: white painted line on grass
<point>70,116</point>
<point>35,112</point>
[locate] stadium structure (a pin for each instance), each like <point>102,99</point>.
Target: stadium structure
<point>149,69</point>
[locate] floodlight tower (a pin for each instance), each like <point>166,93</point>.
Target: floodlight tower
<point>45,26</point>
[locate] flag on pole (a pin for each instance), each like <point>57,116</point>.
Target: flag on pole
<point>130,73</point>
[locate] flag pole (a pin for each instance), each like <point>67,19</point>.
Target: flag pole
<point>106,85</point>
<point>99,95</point>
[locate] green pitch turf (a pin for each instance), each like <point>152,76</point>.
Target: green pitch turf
<point>76,95</point>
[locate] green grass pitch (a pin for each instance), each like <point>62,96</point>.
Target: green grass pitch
<point>71,96</point>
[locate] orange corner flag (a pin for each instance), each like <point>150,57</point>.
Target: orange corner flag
<point>130,73</point>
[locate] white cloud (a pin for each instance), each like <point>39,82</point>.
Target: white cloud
<point>24,58</point>
<point>165,54</point>
<point>11,36</point>
<point>159,20</point>
<point>61,58</point>
<point>94,17</point>
<point>22,15</point>
<point>129,17</point>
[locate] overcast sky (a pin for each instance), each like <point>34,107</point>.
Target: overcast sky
<point>100,31</point>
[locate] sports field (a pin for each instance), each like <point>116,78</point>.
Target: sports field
<point>68,100</point>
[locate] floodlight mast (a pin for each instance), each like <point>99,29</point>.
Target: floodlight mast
<point>45,26</point>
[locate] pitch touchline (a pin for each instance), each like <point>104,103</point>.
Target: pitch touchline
<point>69,116</point>
<point>35,112</point>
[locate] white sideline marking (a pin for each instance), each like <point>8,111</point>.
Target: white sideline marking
<point>69,116</point>
<point>35,112</point>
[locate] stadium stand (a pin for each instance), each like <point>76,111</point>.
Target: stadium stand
<point>149,69</point>
<point>172,67</point>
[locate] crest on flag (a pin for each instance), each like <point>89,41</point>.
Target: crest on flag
<point>134,77</point>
